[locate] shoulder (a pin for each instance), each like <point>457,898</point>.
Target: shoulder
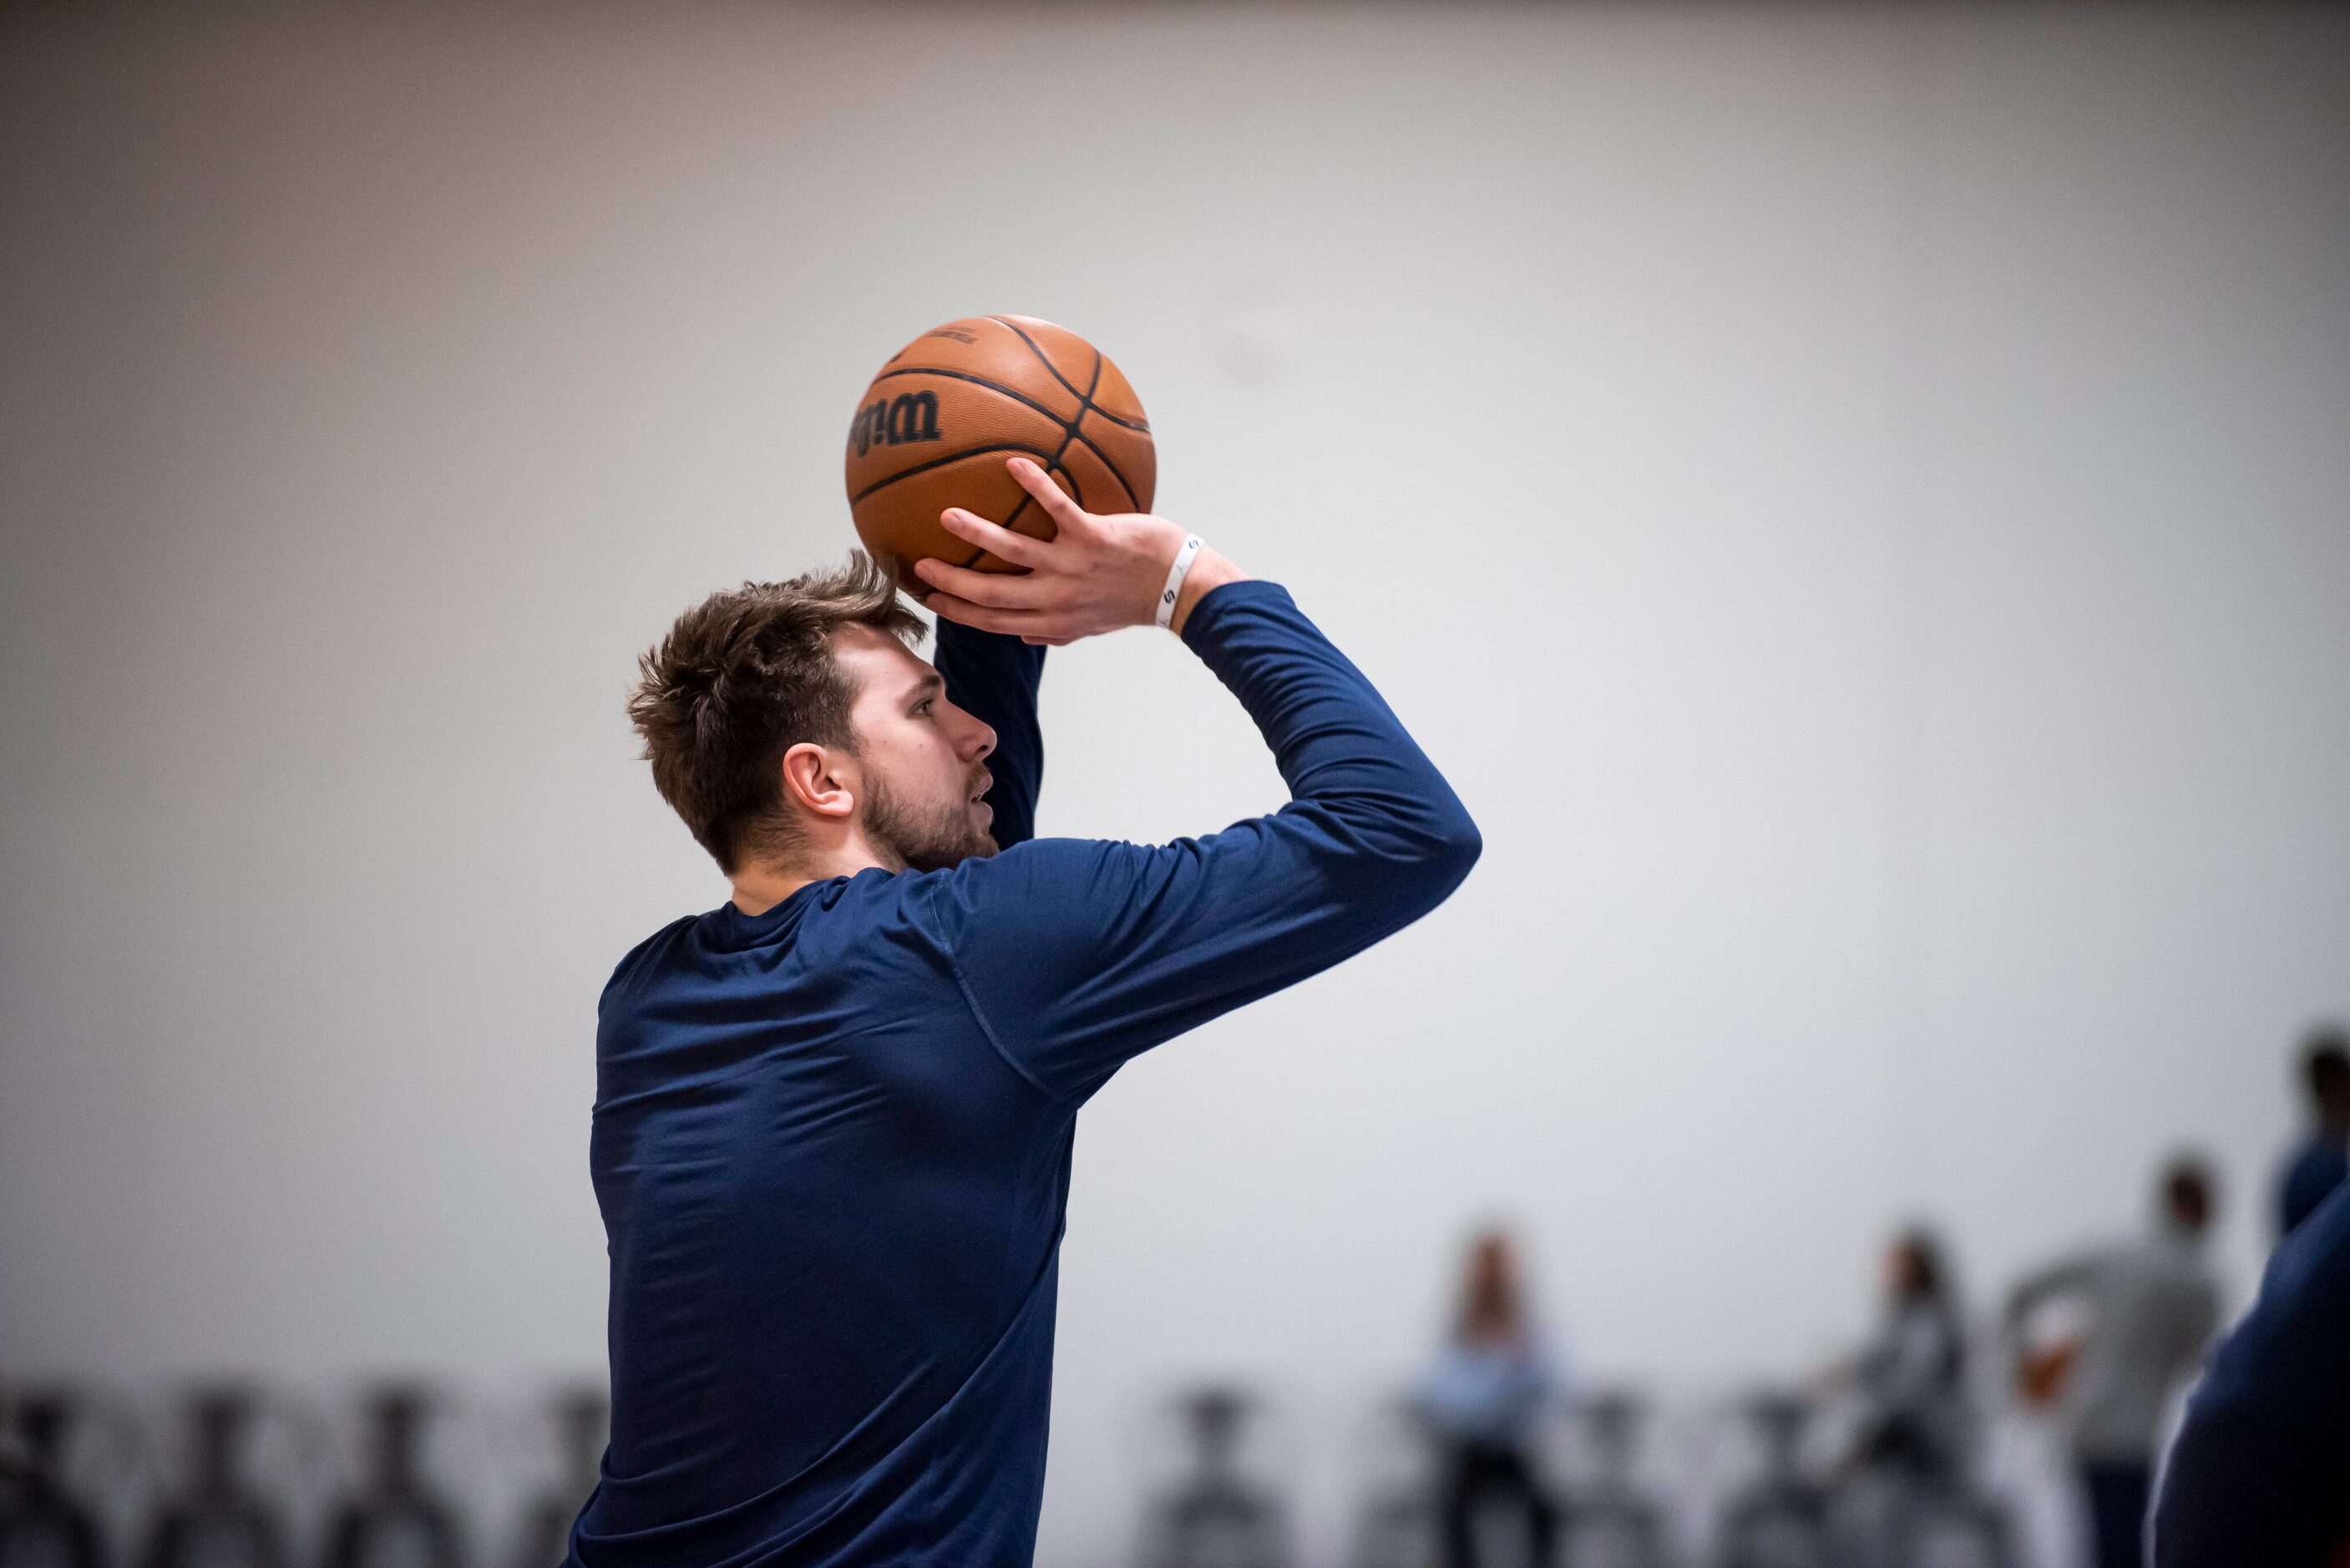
<point>1041,873</point>
<point>646,955</point>
<point>2319,1159</point>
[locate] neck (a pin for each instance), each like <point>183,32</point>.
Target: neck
<point>760,888</point>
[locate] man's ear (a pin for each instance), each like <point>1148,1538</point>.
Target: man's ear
<point>820,780</point>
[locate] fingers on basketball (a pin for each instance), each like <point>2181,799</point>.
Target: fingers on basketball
<point>1019,549</point>
<point>1056,503</point>
<point>990,590</point>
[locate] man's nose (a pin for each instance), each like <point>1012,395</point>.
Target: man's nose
<point>982,738</point>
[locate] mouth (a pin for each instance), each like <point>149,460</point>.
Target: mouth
<point>986,781</point>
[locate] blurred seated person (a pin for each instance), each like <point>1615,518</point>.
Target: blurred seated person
<point>1915,1422</point>
<point>2322,1159</point>
<point>1483,1395</point>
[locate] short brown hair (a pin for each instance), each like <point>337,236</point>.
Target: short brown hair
<point>740,679</point>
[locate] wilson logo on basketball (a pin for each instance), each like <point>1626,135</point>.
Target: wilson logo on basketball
<point>893,421</point>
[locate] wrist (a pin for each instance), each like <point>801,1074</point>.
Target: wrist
<point>1211,570</point>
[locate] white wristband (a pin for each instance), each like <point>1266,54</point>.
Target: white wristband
<point>1175,575</point>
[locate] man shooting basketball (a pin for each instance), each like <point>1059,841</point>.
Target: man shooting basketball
<point>834,1116</point>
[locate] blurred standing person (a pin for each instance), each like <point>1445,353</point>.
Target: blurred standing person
<point>1488,1384</point>
<point>2322,1159</point>
<point>2152,1304</point>
<point>1912,1376</point>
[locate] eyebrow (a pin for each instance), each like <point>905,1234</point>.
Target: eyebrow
<point>929,683</point>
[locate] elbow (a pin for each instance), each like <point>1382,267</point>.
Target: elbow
<point>1444,857</point>
<point>1467,841</point>
<point>1406,855</point>
<point>1458,847</point>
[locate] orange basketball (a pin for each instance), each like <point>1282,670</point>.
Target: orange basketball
<point>934,429</point>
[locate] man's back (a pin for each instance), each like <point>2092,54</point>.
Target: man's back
<point>834,1209</point>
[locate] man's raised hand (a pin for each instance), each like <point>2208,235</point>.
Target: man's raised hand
<point>1096,573</point>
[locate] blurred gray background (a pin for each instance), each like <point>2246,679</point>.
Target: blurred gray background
<point>1858,500</point>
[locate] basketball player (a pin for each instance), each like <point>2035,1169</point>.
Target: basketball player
<point>834,1116</point>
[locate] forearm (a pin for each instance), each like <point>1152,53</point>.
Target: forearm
<point>1338,746</point>
<point>994,678</point>
<point>1211,570</point>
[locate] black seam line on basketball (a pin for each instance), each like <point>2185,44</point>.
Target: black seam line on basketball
<point>1055,371</point>
<point>942,461</point>
<point>1068,426</point>
<point>1068,434</point>
<point>1107,460</point>
<point>1085,405</point>
<point>1131,498</point>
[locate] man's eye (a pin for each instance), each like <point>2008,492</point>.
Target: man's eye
<point>924,705</point>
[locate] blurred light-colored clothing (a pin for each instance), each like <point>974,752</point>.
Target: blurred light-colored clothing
<point>1913,1391</point>
<point>1487,1394</point>
<point>2153,1305</point>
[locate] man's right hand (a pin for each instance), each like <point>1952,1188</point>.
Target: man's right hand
<point>1096,573</point>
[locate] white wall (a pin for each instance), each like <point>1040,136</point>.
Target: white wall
<point>1859,501</point>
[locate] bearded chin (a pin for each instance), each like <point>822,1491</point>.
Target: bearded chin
<point>930,840</point>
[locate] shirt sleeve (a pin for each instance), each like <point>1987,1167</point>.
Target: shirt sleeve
<point>1076,954</point>
<point>994,678</point>
<point>2316,1172</point>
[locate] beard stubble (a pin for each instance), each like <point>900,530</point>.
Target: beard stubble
<point>925,839</point>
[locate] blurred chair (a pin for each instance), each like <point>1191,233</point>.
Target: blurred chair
<point>1215,1517</point>
<point>1609,1522</point>
<point>396,1520</point>
<point>582,1418</point>
<point>43,1524</point>
<point>1958,1532</point>
<point>218,1519</point>
<point>1396,1460</point>
<point>1779,1520</point>
<point>1884,1519</point>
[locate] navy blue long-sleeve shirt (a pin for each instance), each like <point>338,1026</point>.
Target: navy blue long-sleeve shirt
<point>2259,1472</point>
<point>2322,1165</point>
<point>832,1140</point>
